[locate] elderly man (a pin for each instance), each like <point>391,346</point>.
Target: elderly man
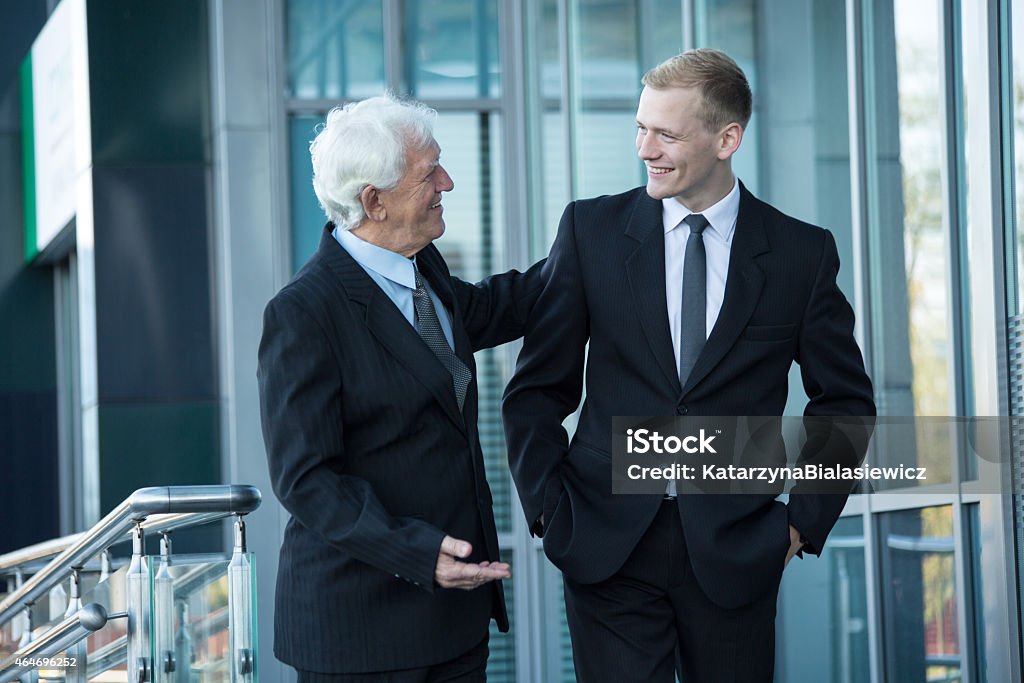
<point>389,568</point>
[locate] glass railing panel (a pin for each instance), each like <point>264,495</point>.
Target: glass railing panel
<point>105,650</point>
<point>45,613</point>
<point>242,610</point>
<point>10,633</point>
<point>48,611</point>
<point>191,616</point>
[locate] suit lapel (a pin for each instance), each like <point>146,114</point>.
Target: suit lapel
<point>389,326</point>
<point>645,270</point>
<point>743,287</point>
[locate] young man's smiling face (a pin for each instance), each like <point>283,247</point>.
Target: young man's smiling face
<point>683,159</point>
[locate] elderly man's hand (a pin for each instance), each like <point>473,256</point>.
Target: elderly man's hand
<point>452,572</point>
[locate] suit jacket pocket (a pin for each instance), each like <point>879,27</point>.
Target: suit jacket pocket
<point>552,492</point>
<point>769,333</point>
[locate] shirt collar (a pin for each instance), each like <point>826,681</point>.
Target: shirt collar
<point>721,215</point>
<point>388,264</point>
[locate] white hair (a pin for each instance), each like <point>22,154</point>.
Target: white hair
<point>365,143</point>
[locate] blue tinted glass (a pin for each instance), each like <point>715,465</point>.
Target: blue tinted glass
<point>335,48</point>
<point>731,26</point>
<point>474,247</point>
<point>824,601</point>
<point>307,219</point>
<point>919,605</point>
<point>607,48</point>
<point>453,49</point>
<point>908,246</point>
<point>607,162</point>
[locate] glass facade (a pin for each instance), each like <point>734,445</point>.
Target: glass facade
<point>335,49</point>
<point>919,607</point>
<point>896,124</point>
<point>450,49</point>
<point>859,126</point>
<point>1012,61</point>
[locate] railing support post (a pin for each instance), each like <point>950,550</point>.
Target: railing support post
<point>163,616</point>
<point>139,604</point>
<point>79,651</point>
<point>240,609</point>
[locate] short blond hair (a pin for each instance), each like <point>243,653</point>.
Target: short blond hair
<point>720,81</point>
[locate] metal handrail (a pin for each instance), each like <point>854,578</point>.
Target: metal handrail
<point>34,553</point>
<point>105,658</point>
<point>188,505</point>
<point>67,633</point>
<point>30,556</point>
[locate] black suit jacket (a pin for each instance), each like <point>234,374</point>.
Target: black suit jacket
<point>370,454</point>
<point>606,285</point>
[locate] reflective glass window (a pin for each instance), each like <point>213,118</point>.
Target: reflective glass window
<point>824,600</point>
<point>335,48</point>
<point>307,218</point>
<point>1015,263</point>
<point>608,73</point>
<point>452,48</point>
<point>919,606</point>
<point>474,246</point>
<point>607,50</point>
<point>1017,100</point>
<point>732,26</point>
<point>907,228</point>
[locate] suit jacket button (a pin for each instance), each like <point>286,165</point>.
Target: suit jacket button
<point>682,410</point>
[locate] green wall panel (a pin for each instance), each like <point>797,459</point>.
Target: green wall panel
<point>149,81</point>
<point>156,444</point>
<point>27,351</point>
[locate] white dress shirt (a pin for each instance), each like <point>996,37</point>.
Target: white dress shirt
<point>721,218</point>
<point>717,245</point>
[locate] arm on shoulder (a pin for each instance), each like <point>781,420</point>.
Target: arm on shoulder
<point>495,310</point>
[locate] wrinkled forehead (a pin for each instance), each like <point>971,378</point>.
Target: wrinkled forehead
<point>418,154</point>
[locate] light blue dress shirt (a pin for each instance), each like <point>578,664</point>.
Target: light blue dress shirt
<point>395,275</point>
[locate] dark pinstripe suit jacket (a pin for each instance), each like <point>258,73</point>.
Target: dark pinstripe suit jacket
<point>370,454</point>
<point>606,284</point>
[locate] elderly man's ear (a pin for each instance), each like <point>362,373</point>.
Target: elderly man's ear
<point>373,207</point>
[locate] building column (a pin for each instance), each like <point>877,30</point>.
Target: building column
<point>251,263</point>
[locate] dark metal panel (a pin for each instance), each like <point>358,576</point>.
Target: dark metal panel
<point>154,330</point>
<point>149,81</point>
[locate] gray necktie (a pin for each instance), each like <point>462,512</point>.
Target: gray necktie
<point>429,329</point>
<point>693,333</point>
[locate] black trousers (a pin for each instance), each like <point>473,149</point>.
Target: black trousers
<point>470,667</point>
<point>651,618</point>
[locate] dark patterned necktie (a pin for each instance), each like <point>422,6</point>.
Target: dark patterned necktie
<point>429,329</point>
<point>693,334</point>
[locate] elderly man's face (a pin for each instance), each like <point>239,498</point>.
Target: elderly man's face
<point>414,211</point>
